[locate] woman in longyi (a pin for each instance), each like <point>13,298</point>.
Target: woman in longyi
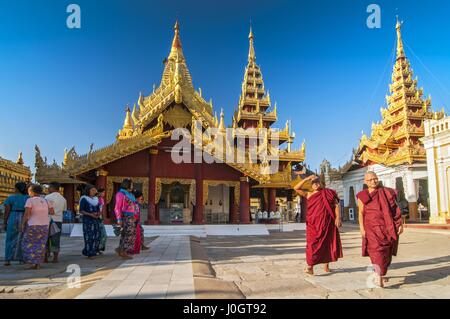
<point>323,220</point>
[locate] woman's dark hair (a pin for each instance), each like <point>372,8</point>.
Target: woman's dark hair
<point>101,190</point>
<point>137,193</point>
<point>126,184</point>
<point>37,189</point>
<point>55,185</point>
<point>21,187</point>
<point>87,189</point>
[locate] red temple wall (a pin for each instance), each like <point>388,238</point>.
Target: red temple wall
<point>137,165</point>
<point>134,165</point>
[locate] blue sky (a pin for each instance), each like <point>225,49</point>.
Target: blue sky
<point>328,72</point>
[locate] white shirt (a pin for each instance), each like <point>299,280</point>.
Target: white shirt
<point>59,204</point>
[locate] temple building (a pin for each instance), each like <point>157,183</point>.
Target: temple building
<point>10,174</point>
<point>197,192</point>
<point>437,146</point>
<point>394,149</point>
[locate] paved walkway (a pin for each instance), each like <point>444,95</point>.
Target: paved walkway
<point>164,272</point>
<point>272,267</point>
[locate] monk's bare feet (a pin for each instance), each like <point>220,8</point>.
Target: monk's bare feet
<point>7,263</point>
<point>379,282</point>
<point>91,257</point>
<point>309,271</point>
<point>143,247</point>
<point>326,268</point>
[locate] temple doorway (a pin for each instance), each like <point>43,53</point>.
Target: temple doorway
<point>217,205</point>
<point>174,206</point>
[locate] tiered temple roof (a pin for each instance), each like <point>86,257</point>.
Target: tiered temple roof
<point>176,104</point>
<point>396,139</point>
<point>11,173</point>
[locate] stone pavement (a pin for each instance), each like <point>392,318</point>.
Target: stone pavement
<point>272,267</point>
<point>18,282</point>
<point>164,272</point>
<point>237,267</point>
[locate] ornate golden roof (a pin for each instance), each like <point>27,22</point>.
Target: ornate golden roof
<point>254,100</point>
<point>396,139</point>
<point>175,104</point>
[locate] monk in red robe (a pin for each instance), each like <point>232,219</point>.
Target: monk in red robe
<point>380,223</point>
<point>323,243</point>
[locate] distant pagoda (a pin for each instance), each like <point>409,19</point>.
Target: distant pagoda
<point>396,140</point>
<point>12,173</point>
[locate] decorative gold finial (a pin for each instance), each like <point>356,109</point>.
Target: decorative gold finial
<point>127,123</point>
<point>176,52</point>
<point>66,157</point>
<point>20,159</point>
<point>222,120</point>
<point>400,50</point>
<point>251,50</point>
<point>127,130</point>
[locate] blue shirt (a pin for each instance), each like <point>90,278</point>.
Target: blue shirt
<point>17,202</point>
<point>88,207</point>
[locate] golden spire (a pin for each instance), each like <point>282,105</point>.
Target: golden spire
<point>176,51</point>
<point>66,157</point>
<point>20,159</point>
<point>127,130</point>
<point>128,123</point>
<point>400,50</point>
<point>222,121</point>
<point>251,51</point>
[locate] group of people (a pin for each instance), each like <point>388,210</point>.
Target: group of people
<point>33,224</point>
<point>127,210</point>
<point>380,224</point>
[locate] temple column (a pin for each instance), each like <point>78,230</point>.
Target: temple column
<point>101,182</point>
<point>198,210</point>
<point>69,195</point>
<point>290,206</point>
<point>152,216</point>
<point>244,207</point>
<point>233,218</point>
<point>272,199</point>
<point>411,196</point>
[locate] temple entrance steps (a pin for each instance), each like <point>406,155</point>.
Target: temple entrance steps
<point>174,230</point>
<point>203,230</point>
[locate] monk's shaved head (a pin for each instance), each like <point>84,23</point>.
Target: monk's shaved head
<point>370,174</point>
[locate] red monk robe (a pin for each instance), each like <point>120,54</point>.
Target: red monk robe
<point>323,243</point>
<point>381,219</point>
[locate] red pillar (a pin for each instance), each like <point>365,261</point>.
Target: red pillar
<point>101,182</point>
<point>69,195</point>
<point>198,210</point>
<point>265,200</point>
<point>233,218</point>
<point>244,207</point>
<point>272,199</point>
<point>152,216</point>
